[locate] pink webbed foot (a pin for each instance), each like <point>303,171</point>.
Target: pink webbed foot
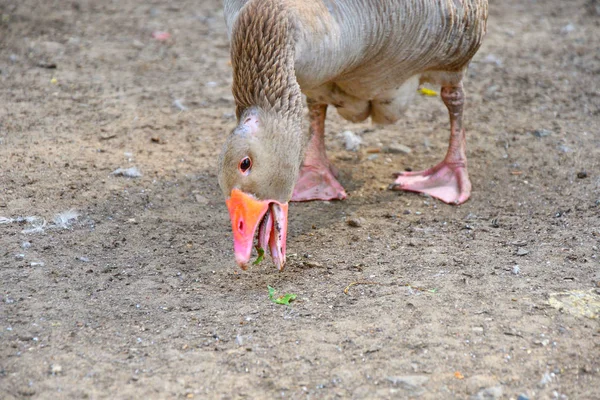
<point>317,176</point>
<point>317,183</point>
<point>447,182</point>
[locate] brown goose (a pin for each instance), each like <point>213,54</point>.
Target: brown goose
<point>365,57</point>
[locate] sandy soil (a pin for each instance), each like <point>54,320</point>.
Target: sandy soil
<point>140,297</point>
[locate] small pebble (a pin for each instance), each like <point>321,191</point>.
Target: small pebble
<point>36,264</point>
<point>541,133</point>
<point>582,174</point>
<point>55,369</point>
<point>516,270</point>
<point>313,264</point>
<point>25,245</point>
<point>522,397</point>
<point>396,148</point>
<point>355,222</point>
<point>19,256</point>
<point>521,251</point>
<point>567,28</point>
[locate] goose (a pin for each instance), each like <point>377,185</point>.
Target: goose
<point>364,57</point>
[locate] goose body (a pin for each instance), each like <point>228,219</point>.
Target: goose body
<point>366,58</point>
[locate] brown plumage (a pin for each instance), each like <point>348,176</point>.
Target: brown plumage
<point>366,58</point>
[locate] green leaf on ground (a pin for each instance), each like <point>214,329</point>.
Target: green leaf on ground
<point>261,255</point>
<point>285,299</point>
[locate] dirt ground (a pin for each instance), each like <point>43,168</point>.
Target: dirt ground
<point>140,297</point>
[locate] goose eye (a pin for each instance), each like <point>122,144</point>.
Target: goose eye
<point>245,165</point>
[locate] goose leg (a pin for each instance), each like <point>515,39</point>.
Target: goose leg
<point>449,180</point>
<point>317,180</point>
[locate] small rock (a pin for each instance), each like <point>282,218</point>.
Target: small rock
<point>26,391</point>
<point>373,157</point>
<point>516,270</point>
<point>522,397</point>
<point>47,65</point>
<point>352,141</point>
<point>477,329</point>
<point>491,393</point>
<point>313,264</point>
<point>567,28</point>
<point>55,369</point>
<point>345,157</point>
<point>411,383</point>
<point>542,343</point>
<point>582,174</point>
<point>541,133</point>
<point>396,148</point>
<point>521,251</point>
<point>200,199</point>
<point>19,256</point>
<point>355,222</point>
<point>137,44</point>
<point>37,264</point>
<point>25,245</point>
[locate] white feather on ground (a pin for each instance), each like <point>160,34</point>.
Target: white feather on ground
<point>132,172</point>
<point>351,140</point>
<point>38,225</point>
<point>63,220</point>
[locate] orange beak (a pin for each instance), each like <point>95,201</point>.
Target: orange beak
<point>247,213</point>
